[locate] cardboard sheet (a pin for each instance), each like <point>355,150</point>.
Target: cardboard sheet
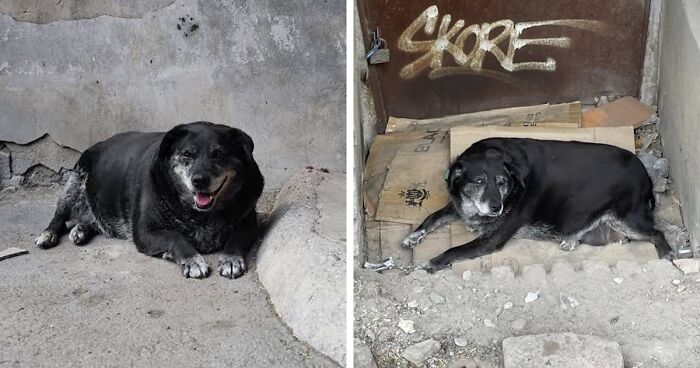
<point>383,151</point>
<point>566,115</point>
<point>626,111</point>
<point>415,185</point>
<point>463,137</point>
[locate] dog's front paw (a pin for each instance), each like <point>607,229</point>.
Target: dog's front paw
<point>433,266</point>
<point>78,234</point>
<point>46,239</point>
<point>568,245</point>
<point>195,267</point>
<point>231,266</point>
<point>413,239</point>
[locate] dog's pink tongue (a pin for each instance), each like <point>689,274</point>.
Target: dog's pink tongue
<point>202,199</point>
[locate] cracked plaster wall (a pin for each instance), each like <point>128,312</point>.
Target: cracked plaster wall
<point>82,71</point>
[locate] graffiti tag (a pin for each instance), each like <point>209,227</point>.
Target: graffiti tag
<point>451,39</point>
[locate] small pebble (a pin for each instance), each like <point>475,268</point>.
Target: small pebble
<point>508,305</point>
<point>676,282</point>
<point>531,297</point>
<point>437,298</point>
<point>618,280</point>
<point>413,304</point>
<point>488,323</point>
<point>406,326</point>
<point>461,341</point>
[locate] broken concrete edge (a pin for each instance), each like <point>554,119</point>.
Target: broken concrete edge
<point>302,233</point>
<point>40,162</point>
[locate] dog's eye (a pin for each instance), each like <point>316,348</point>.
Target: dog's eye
<point>479,181</point>
<point>186,154</point>
<point>217,154</point>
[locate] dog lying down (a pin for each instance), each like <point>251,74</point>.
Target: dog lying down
<point>548,190</point>
<point>177,194</point>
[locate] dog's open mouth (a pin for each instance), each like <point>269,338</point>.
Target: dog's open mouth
<point>205,201</point>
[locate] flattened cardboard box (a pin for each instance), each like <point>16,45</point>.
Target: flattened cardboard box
<point>567,115</point>
<point>415,185</point>
<point>384,150</point>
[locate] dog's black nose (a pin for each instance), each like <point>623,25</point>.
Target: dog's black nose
<point>495,207</point>
<point>200,181</point>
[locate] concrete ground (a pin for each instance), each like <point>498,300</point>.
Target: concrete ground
<point>650,310</point>
<point>106,305</point>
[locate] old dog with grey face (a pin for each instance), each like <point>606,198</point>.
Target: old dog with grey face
<point>549,190</point>
<point>176,194</point>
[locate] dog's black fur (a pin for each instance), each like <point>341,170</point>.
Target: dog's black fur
<point>177,194</point>
<point>549,190</point>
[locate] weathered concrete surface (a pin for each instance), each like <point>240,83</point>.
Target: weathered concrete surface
<point>679,88</point>
<point>561,350</point>
<point>643,308</point>
<point>301,261</point>
<point>273,68</point>
<point>106,305</point>
<point>49,11</point>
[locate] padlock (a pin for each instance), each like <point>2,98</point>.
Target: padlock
<point>379,54</point>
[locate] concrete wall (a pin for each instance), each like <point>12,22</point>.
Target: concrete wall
<point>82,71</point>
<point>679,105</point>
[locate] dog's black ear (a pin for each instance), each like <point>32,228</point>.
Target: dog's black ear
<point>173,135</point>
<point>516,169</point>
<point>455,172</point>
<point>242,141</point>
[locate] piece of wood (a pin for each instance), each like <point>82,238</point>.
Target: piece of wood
<point>373,241</point>
<point>566,115</point>
<point>626,111</point>
<point>12,252</point>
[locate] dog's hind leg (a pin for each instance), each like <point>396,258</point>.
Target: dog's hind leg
<point>64,208</point>
<point>640,226</point>
<point>431,223</point>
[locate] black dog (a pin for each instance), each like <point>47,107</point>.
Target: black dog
<point>548,190</point>
<point>191,190</point>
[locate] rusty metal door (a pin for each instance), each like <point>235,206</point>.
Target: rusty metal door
<point>455,56</point>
